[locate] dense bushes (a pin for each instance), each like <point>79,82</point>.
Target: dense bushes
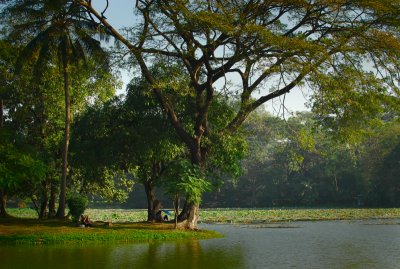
<point>77,204</point>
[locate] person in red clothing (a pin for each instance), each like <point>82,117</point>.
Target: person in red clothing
<point>85,221</point>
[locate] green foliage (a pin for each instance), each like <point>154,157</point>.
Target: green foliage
<point>381,165</point>
<point>19,165</point>
<point>349,102</point>
<point>69,32</point>
<point>77,204</point>
<point>299,162</point>
<point>64,49</point>
<point>225,154</point>
<point>225,150</point>
<point>238,47</point>
<point>330,45</point>
<point>346,51</point>
<point>184,178</point>
<point>123,131</point>
<point>109,184</point>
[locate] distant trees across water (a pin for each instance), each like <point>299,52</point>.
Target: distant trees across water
<point>296,162</point>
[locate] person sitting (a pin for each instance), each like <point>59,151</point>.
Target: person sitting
<point>158,216</point>
<point>82,220</point>
<point>157,209</point>
<point>165,218</point>
<point>88,223</point>
<point>85,221</point>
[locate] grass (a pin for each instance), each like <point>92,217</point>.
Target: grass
<point>31,231</point>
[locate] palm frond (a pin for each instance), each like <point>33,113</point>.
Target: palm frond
<point>92,28</point>
<point>78,52</point>
<point>32,48</point>
<point>92,46</point>
<point>43,59</point>
<point>64,26</point>
<point>27,10</point>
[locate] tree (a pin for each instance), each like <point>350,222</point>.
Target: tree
<point>35,115</point>
<point>124,132</point>
<point>255,186</point>
<point>131,134</point>
<point>56,28</point>
<point>389,185</point>
<point>4,72</point>
<point>19,167</point>
<point>379,162</point>
<point>184,178</point>
<point>272,47</point>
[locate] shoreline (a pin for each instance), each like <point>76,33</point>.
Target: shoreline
<point>128,226</point>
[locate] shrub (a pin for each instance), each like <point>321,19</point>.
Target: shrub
<point>77,204</point>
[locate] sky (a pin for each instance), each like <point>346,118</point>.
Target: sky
<point>120,13</point>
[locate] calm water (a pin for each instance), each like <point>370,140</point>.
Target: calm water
<point>291,245</point>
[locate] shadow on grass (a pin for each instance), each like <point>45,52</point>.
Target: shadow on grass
<point>25,222</point>
<point>11,221</point>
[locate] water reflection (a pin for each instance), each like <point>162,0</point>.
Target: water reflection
<point>333,245</point>
<point>188,254</point>
<point>173,255</point>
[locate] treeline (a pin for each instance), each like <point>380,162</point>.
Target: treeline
<point>298,162</point>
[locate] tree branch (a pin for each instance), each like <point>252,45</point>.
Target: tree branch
<point>165,104</point>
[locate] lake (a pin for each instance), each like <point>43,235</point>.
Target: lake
<point>330,244</point>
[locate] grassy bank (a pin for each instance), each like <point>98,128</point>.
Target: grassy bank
<point>240,215</point>
<point>30,231</point>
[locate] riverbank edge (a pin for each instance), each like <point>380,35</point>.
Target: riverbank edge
<point>51,232</point>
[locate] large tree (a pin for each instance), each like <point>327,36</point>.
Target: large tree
<point>266,48</point>
<point>34,117</point>
<point>131,135</point>
<point>56,28</point>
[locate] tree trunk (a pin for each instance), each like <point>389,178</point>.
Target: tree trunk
<point>44,199</point>
<point>52,201</point>
<point>190,212</point>
<point>151,198</point>
<point>1,114</point>
<point>176,209</point>
<point>63,183</point>
<point>3,203</point>
<point>189,216</point>
<point>3,196</point>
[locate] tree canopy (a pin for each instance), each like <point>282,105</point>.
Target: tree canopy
<point>263,47</point>
<point>61,30</point>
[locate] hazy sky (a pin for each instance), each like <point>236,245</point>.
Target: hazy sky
<point>120,14</point>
